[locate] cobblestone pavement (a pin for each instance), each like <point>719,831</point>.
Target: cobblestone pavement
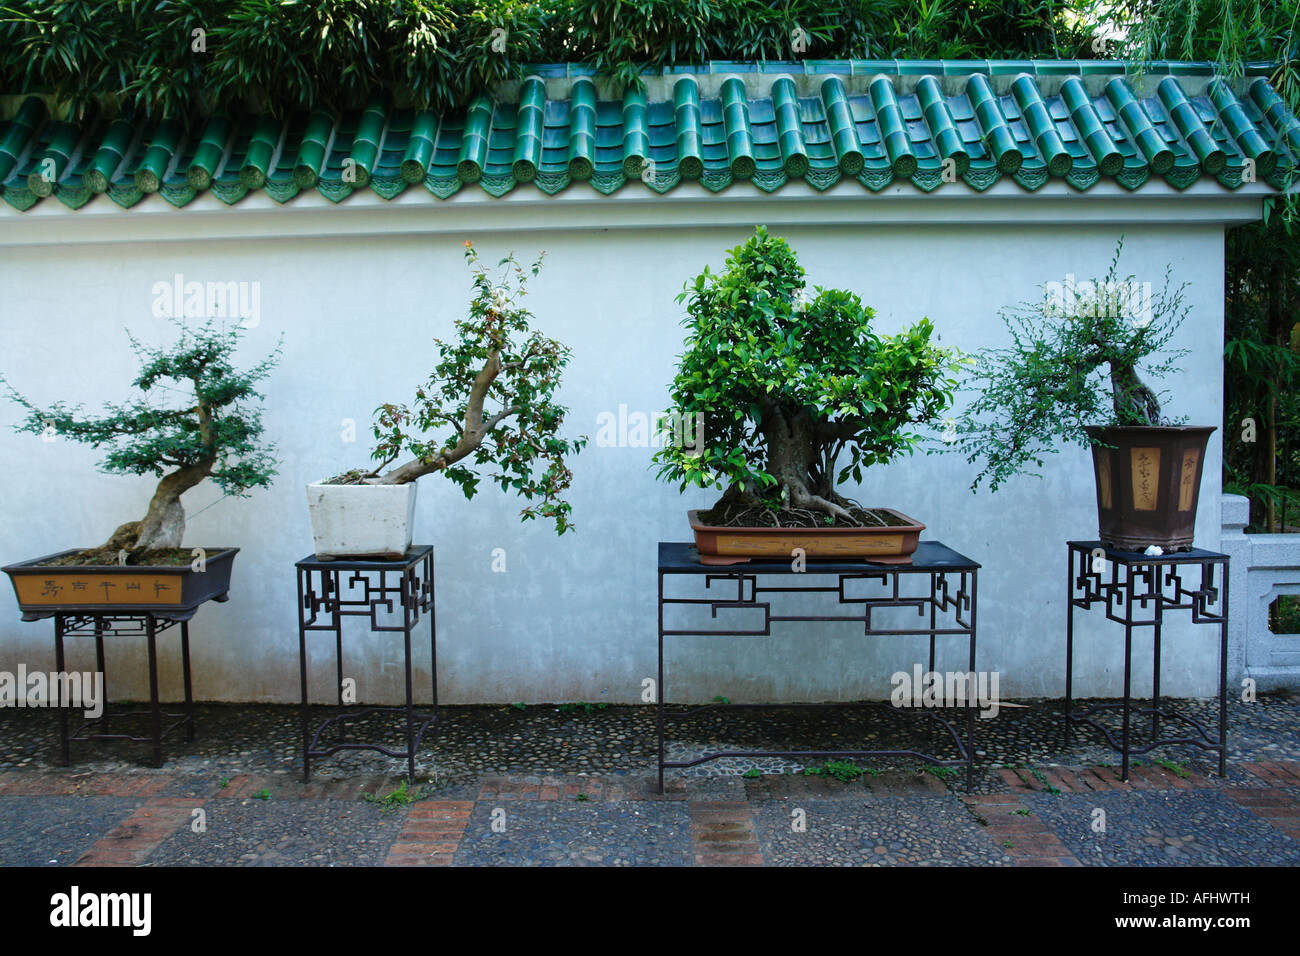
<point>575,786</point>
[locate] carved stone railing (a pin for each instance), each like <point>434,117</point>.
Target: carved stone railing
<point>1264,567</point>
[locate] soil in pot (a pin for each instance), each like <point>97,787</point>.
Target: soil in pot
<point>739,516</point>
<point>885,536</point>
<point>101,557</point>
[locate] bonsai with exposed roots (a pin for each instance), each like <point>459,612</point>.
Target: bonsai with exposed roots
<point>796,392</point>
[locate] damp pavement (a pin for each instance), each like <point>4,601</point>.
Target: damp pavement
<point>576,785</point>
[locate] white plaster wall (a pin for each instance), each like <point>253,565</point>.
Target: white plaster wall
<point>573,618</point>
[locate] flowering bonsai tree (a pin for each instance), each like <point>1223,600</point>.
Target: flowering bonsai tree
<point>1073,363</point>
<point>796,392</point>
<point>196,419</point>
<point>491,403</point>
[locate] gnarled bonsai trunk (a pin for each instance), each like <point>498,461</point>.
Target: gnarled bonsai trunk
<point>475,430</point>
<point>163,525</point>
<point>796,458</point>
<point>1132,396</point>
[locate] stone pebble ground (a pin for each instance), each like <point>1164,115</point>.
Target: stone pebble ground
<point>504,786</point>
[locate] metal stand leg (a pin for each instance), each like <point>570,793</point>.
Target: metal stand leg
<point>103,675</point>
<point>64,756</point>
<point>189,686</point>
<point>1157,576</point>
<point>934,597</point>
<point>1128,666</point>
<point>1069,638</point>
<point>408,607</point>
<point>302,676</point>
<point>659,688</point>
<point>155,711</point>
<point>970,703</point>
<point>338,643</point>
<point>433,630</point>
<point>934,602</point>
<point>1223,678</point>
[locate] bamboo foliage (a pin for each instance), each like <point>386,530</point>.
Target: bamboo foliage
<point>182,57</point>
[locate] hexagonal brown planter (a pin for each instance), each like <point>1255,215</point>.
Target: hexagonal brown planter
<point>1148,484</point>
<point>885,545</point>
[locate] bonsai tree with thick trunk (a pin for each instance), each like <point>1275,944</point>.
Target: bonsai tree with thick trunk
<point>795,391</point>
<point>491,398</point>
<point>196,419</point>
<point>1073,362</point>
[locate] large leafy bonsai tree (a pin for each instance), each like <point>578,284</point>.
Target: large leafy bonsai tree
<point>196,418</point>
<point>492,399</point>
<point>796,392</point>
<point>1073,362</point>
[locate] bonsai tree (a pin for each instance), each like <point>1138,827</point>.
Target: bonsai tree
<point>196,418</point>
<point>796,392</point>
<point>492,398</point>
<point>1074,361</point>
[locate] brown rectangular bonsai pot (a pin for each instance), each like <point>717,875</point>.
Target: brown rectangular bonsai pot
<point>167,591</point>
<point>889,545</point>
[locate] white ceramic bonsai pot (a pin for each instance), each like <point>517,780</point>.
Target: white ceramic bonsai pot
<point>361,521</point>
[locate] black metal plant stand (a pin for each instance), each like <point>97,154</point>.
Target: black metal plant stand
<point>932,560</point>
<point>1121,581</point>
<point>124,624</point>
<point>406,582</point>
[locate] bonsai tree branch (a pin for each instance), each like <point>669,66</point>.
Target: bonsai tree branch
<point>496,358</point>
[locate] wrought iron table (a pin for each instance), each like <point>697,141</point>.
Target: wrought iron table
<point>128,622</point>
<point>932,560</point>
<point>408,581</point>
<point>1155,584</point>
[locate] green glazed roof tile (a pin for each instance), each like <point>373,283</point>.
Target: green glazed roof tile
<point>723,125</point>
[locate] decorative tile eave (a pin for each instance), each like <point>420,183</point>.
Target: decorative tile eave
<point>471,212</point>
<point>928,124</point>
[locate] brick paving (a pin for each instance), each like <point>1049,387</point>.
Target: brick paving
<point>493,792</point>
<point>1043,817</point>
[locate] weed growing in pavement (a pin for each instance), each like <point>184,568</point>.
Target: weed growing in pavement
<point>1179,770</point>
<point>845,771</point>
<point>400,797</point>
<point>581,705</point>
<point>1038,775</point>
<point>943,773</point>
